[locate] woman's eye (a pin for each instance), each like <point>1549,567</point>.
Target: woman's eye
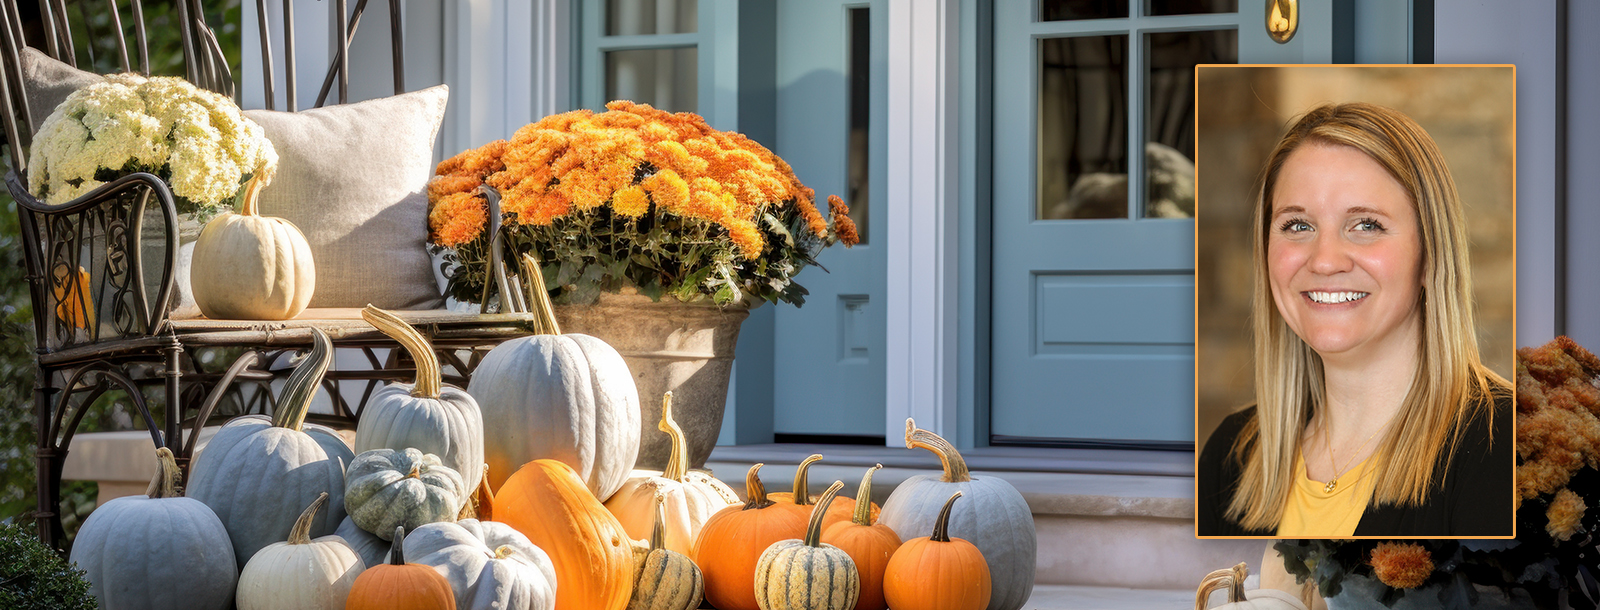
<point>1295,225</point>
<point>1368,224</point>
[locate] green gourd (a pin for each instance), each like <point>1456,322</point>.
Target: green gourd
<point>665,579</point>
<point>807,574</point>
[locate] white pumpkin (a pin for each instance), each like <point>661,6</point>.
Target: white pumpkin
<point>427,415</point>
<point>563,397</point>
<point>113,548</point>
<point>301,573</point>
<point>490,566</point>
<point>252,267</point>
<point>688,498</point>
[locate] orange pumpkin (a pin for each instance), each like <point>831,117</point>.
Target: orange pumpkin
<point>868,544</point>
<point>549,503</point>
<point>398,585</point>
<point>937,572</point>
<point>731,542</point>
<point>801,503</point>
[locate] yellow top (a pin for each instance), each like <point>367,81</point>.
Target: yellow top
<point>1315,512</point>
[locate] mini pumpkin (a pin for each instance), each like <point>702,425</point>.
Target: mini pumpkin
<point>490,566</point>
<point>938,572</point>
<point>385,488</point>
<point>731,542</point>
<point>807,574</point>
<point>690,497</point>
<point>398,585</point>
<point>427,415</point>
<point>870,545</point>
<point>300,573</point>
<point>252,267</point>
<point>665,579</point>
<point>114,545</point>
<point>549,503</point>
<point>801,503</point>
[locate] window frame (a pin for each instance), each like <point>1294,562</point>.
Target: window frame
<point>594,43</point>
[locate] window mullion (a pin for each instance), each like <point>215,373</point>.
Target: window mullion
<point>1136,118</point>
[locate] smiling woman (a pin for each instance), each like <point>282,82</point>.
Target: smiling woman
<point>1373,413</point>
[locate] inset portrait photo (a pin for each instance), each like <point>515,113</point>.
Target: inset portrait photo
<point>1355,281</point>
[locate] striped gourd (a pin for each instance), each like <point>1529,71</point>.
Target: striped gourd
<point>666,579</point>
<point>806,574</point>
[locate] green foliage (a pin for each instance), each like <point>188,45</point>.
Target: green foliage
<point>92,35</point>
<point>33,577</point>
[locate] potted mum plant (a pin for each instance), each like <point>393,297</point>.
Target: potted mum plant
<point>196,141</point>
<point>656,233</point>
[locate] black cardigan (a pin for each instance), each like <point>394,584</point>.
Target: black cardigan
<point>1473,499</point>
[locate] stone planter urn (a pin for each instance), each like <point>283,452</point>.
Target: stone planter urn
<point>669,345</point>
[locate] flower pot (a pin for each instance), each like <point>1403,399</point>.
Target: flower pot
<point>153,259</point>
<point>669,345</point>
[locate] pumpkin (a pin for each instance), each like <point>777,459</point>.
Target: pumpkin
<point>1238,598</point>
<point>994,518</point>
<point>74,305</point>
<point>489,565</point>
<point>691,497</point>
<point>731,542</point>
<point>114,546</point>
<point>801,503</point>
<point>869,545</point>
<point>426,415</point>
<point>385,488</point>
<point>665,579</point>
<point>398,585</point>
<point>257,473</point>
<point>300,573</point>
<point>368,546</point>
<point>548,502</point>
<point>563,397</point>
<point>938,572</point>
<point>252,267</point>
<point>807,574</point>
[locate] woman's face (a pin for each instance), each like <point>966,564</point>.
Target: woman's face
<point>1344,253</point>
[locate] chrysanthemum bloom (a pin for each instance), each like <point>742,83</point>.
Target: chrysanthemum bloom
<point>1401,565</point>
<point>1565,514</point>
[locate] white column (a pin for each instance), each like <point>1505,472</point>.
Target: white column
<point>922,207</point>
<point>507,64</point>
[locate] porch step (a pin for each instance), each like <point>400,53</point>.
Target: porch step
<point>1097,532</point>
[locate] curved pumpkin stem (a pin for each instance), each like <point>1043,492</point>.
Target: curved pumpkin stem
<point>301,532</point>
<point>397,553</point>
<point>483,498</point>
<point>504,551</point>
<point>955,468</point>
<point>754,492</point>
<point>429,375</point>
<point>863,514</point>
<point>1231,579</point>
<point>941,526</point>
<point>802,481</point>
<point>303,383</point>
<point>658,530</point>
<point>544,312</point>
<point>678,459</point>
<point>814,527</point>
<point>165,483</point>
<point>252,190</point>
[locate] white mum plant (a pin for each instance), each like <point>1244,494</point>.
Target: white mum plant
<point>196,140</point>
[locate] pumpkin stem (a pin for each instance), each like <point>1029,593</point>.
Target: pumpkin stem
<point>484,497</point>
<point>754,492</point>
<point>941,526</point>
<point>955,468</point>
<point>504,551</point>
<point>814,527</point>
<point>397,553</point>
<point>863,515</point>
<point>802,481</point>
<point>301,532</point>
<point>1231,579</point>
<point>429,376</point>
<point>658,530</point>
<point>416,472</point>
<point>252,189</point>
<point>303,383</point>
<point>544,312</point>
<point>165,483</point>
<point>678,460</point>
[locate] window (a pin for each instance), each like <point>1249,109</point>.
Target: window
<point>646,51</point>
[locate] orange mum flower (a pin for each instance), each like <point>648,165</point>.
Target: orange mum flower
<point>1565,515</point>
<point>457,219</point>
<point>631,202</point>
<point>842,225</point>
<point>669,190</point>
<point>1401,565</point>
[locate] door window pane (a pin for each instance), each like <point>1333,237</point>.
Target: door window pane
<point>1068,10</point>
<point>1083,128</point>
<point>860,114</point>
<point>1192,7</point>
<point>646,17</point>
<point>1169,115</point>
<point>663,78</point>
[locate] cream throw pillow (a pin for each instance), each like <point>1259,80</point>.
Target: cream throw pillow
<point>353,178</point>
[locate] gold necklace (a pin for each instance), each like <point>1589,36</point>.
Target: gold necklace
<point>1334,482</point>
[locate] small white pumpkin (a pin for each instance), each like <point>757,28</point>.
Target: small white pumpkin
<point>252,267</point>
<point>114,547</point>
<point>385,488</point>
<point>690,497</point>
<point>301,573</point>
<point>490,566</point>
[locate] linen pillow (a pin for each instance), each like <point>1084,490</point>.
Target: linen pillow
<point>49,82</point>
<point>353,178</point>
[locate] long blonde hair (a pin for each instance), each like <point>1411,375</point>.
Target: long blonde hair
<point>1451,387</point>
